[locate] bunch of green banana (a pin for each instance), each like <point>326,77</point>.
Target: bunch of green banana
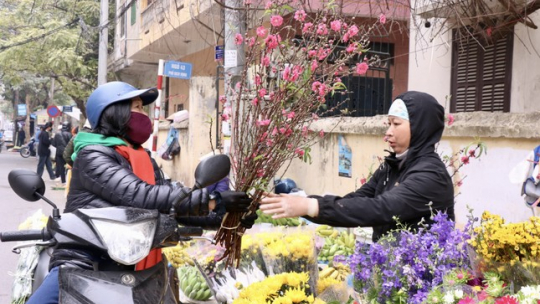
<point>266,218</point>
<point>342,244</point>
<point>326,231</point>
<point>177,255</point>
<point>193,284</point>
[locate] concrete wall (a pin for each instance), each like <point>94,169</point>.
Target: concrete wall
<point>194,135</point>
<point>526,68</point>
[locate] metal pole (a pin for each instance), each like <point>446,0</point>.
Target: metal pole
<point>235,59</point>
<point>157,109</point>
<point>103,41</point>
<point>235,23</point>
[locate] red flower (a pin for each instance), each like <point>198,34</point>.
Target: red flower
<point>467,300</point>
<point>506,300</point>
<point>465,160</point>
<point>472,153</point>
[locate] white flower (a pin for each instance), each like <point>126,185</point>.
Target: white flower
<point>529,294</point>
<point>448,297</point>
<point>458,294</point>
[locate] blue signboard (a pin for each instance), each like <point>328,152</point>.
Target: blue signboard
<point>176,69</point>
<point>220,52</point>
<point>21,109</point>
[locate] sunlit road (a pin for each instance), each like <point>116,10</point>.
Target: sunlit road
<point>15,210</point>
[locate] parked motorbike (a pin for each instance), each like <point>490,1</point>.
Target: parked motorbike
<point>28,149</point>
<point>124,234</point>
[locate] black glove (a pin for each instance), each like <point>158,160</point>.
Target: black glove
<point>195,204</point>
<point>233,201</point>
<point>248,220</point>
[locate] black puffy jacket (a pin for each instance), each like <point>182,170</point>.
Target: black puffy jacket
<point>407,189</point>
<point>103,178</point>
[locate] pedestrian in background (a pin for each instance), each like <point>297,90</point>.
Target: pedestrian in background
<point>61,139</point>
<point>44,152</point>
<point>21,136</point>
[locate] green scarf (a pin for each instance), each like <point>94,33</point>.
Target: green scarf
<point>84,139</point>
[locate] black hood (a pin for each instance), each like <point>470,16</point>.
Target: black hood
<point>426,117</point>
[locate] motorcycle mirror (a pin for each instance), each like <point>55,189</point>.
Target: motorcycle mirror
<point>211,170</point>
<point>27,184</point>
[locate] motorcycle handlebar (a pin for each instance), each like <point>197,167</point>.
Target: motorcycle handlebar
<point>25,235</point>
<point>189,231</point>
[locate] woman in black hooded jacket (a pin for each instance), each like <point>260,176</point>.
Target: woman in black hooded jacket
<point>409,185</point>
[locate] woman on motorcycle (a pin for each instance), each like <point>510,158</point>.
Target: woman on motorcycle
<point>112,169</point>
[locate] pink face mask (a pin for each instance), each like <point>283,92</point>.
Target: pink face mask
<point>139,128</point>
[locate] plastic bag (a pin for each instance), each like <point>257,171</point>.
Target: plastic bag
<point>171,146</point>
<point>28,259</point>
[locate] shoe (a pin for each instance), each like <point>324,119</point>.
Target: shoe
<point>56,179</point>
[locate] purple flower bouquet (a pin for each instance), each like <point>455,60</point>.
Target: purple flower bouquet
<point>403,266</point>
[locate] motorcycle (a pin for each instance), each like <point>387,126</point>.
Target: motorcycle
<point>124,234</point>
<point>28,149</point>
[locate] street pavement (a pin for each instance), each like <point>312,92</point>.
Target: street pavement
<point>15,210</point>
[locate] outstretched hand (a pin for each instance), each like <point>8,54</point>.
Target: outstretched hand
<point>286,205</point>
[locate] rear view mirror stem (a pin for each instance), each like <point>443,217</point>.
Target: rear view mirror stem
<point>56,211</point>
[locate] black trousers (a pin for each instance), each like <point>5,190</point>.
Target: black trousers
<point>61,168</point>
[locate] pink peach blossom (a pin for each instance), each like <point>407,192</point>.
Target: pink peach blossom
<point>297,70</point>
<point>265,61</point>
<point>300,15</point>
<point>315,86</point>
<point>361,68</point>
<point>299,152</point>
<point>263,122</point>
<point>307,27</point>
<point>321,133</point>
<point>335,25</point>
<point>305,131</point>
<point>262,31</point>
<point>322,30</point>
<point>314,65</point>
<point>268,5</point>
<point>382,18</point>
<point>272,41</point>
<point>450,119</point>
<point>286,73</point>
<point>262,92</point>
<point>222,99</point>
<point>276,20</point>
<point>255,101</point>
<point>353,31</point>
<point>238,39</point>
<point>258,80</point>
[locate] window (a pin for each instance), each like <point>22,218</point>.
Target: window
<point>133,12</point>
<point>366,95</point>
<point>481,75</point>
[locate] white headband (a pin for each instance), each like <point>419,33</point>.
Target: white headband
<point>399,109</point>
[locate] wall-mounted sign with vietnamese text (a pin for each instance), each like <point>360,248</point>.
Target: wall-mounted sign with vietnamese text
<point>176,69</point>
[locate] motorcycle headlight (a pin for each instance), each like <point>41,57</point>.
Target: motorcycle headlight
<point>126,243</point>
